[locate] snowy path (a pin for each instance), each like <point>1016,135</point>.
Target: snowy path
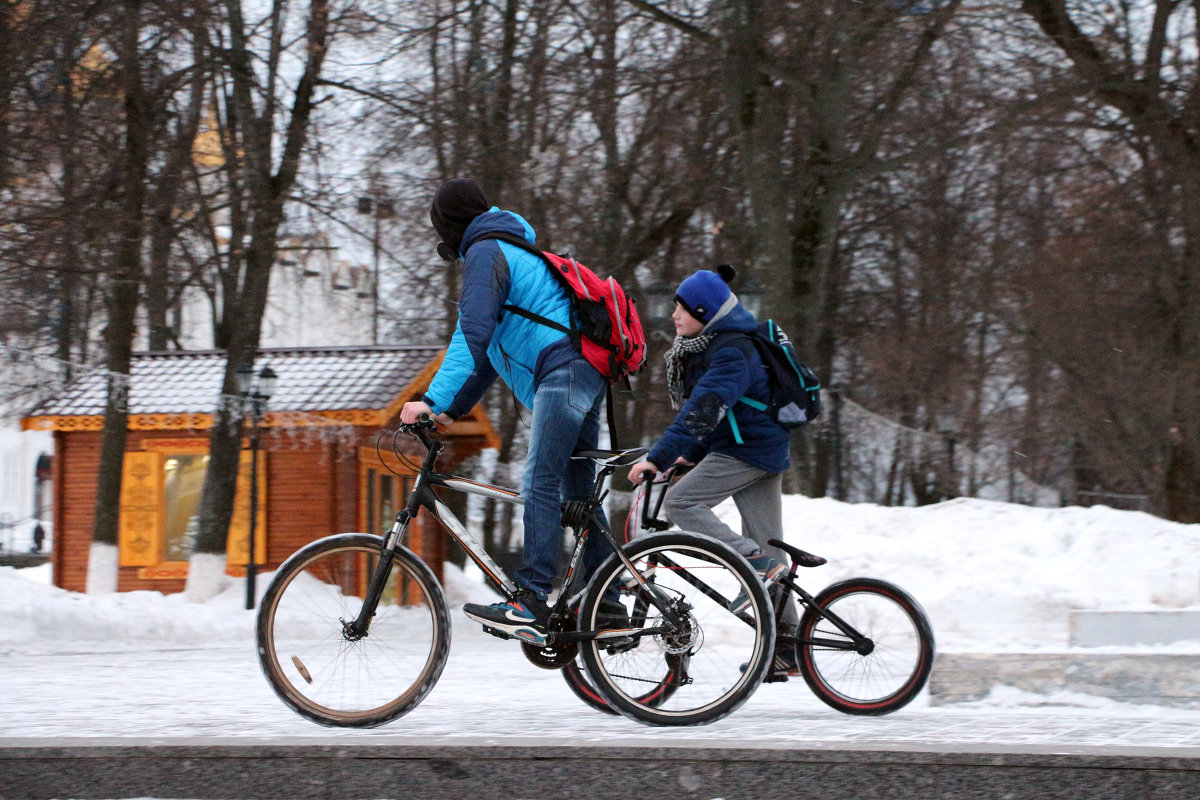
<point>489,692</point>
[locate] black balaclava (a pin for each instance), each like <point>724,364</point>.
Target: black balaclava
<point>456,204</point>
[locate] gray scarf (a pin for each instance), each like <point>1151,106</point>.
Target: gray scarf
<point>674,357</point>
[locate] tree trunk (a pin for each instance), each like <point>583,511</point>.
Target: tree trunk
<point>9,72</point>
<point>122,304</point>
<point>267,188</point>
<point>1181,482</point>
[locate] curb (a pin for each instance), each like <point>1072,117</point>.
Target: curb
<point>525,768</point>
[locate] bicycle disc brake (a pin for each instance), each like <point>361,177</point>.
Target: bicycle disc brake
<point>685,640</point>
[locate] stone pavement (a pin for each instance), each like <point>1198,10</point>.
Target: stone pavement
<point>402,767</point>
<point>202,723</point>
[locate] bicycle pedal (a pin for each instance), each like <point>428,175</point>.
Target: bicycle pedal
<point>497,633</point>
<point>773,677</point>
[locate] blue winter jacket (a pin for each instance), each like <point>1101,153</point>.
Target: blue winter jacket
<point>713,382</point>
<point>489,341</point>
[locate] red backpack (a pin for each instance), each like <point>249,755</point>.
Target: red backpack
<point>604,320</point>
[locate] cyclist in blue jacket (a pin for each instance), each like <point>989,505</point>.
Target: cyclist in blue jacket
<point>545,371</point>
<point>737,450</point>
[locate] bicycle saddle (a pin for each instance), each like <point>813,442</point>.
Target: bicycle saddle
<point>801,557</point>
<point>612,458</point>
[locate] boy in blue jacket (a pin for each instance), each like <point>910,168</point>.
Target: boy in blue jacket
<point>545,371</point>
<point>738,450</point>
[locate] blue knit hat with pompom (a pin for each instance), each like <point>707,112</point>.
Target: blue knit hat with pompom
<point>704,292</point>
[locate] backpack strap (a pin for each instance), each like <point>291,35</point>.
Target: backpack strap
<point>538,318</point>
<point>720,340</point>
<point>733,425</point>
<point>612,419</point>
<point>520,241</point>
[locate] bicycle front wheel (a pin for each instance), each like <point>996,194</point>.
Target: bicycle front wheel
<point>882,672</point>
<point>326,673</point>
<point>693,660</point>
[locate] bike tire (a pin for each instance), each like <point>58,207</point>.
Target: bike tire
<point>579,684</point>
<point>692,675</point>
<point>334,680</point>
<point>888,677</point>
<point>577,679</point>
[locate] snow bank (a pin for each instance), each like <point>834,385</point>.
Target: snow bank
<point>996,576</point>
<point>992,576</point>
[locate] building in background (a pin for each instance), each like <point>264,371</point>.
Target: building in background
<point>26,496</point>
<point>320,470</point>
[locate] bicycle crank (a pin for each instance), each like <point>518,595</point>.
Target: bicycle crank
<point>557,652</point>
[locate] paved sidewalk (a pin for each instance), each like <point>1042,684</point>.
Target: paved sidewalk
<point>489,693</point>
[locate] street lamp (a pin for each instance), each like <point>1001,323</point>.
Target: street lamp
<point>379,208</point>
<point>254,399</point>
<point>751,293</point>
<point>660,302</point>
<point>660,298</point>
<point>947,424</point>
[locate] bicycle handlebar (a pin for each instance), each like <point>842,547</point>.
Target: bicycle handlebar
<point>425,422</point>
<point>650,520</point>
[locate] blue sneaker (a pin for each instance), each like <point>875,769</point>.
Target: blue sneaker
<point>769,570</point>
<point>523,617</point>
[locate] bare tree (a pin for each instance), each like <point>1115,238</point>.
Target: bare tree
<point>1146,71</point>
<point>258,177</point>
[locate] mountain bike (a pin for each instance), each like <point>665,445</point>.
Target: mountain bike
<point>864,646</point>
<point>354,630</point>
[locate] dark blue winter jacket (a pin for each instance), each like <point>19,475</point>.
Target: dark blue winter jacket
<point>713,382</point>
<point>489,341</point>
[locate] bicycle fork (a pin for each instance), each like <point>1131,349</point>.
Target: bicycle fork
<point>358,628</point>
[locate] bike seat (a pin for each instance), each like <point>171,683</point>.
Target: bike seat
<point>612,458</point>
<point>801,557</point>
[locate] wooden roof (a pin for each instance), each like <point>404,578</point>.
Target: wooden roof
<point>315,386</point>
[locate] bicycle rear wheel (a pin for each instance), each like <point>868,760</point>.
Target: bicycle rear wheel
<point>336,679</point>
<point>656,692</point>
<point>582,687</point>
<point>689,673</point>
<point>881,676</point>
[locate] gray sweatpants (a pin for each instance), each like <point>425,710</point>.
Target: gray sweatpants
<point>758,496</point>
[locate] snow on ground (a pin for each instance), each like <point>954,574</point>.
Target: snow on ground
<point>992,576</point>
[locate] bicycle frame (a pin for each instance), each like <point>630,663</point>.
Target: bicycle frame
<point>423,496</point>
<point>859,643</point>
<point>862,644</point>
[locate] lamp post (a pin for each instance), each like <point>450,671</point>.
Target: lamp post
<point>948,427</point>
<point>379,208</point>
<point>255,396</point>
<point>751,293</point>
<point>660,302</point>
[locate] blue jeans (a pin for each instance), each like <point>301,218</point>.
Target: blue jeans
<point>566,418</point>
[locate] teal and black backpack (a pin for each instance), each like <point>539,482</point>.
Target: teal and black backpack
<point>795,391</point>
